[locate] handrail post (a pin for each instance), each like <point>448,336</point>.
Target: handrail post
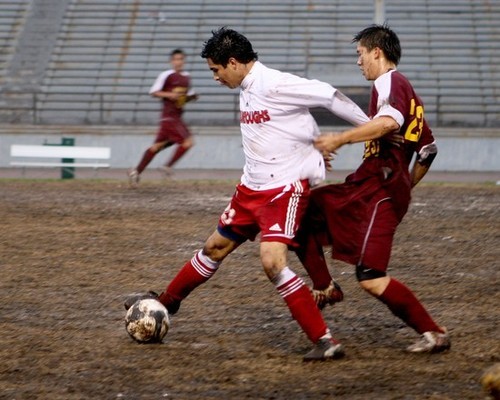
<point>35,112</point>
<point>438,110</point>
<point>101,107</point>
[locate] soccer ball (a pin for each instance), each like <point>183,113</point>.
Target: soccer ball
<point>491,381</point>
<point>147,321</point>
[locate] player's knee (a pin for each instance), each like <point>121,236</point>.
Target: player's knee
<point>371,280</point>
<point>271,269</point>
<point>188,143</point>
<point>155,149</point>
<point>218,247</point>
<point>214,252</point>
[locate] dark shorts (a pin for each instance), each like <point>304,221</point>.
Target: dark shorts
<point>172,130</point>
<point>358,220</point>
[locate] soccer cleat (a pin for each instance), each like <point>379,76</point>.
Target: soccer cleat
<point>133,178</point>
<point>331,295</point>
<point>170,303</point>
<point>133,298</point>
<point>167,172</point>
<point>431,342</point>
<point>325,349</point>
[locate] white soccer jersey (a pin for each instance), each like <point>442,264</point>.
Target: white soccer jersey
<point>278,129</point>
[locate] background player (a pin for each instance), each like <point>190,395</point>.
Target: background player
<point>359,217</point>
<point>173,88</point>
<point>280,165</point>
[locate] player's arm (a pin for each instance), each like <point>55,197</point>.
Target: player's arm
<point>343,107</point>
<point>157,88</point>
<point>191,96</point>
<point>374,129</point>
<point>161,94</point>
<point>312,93</point>
<point>425,157</point>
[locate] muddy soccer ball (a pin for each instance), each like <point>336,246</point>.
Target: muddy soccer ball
<point>147,321</point>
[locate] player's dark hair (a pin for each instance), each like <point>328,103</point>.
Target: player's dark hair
<point>226,43</point>
<point>177,51</point>
<point>383,37</point>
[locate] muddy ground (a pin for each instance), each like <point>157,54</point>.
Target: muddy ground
<point>70,250</point>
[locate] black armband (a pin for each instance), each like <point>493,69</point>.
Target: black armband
<point>365,274</point>
<point>427,154</point>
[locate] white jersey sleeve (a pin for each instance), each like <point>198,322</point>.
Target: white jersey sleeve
<point>343,107</point>
<point>294,90</point>
<point>384,108</point>
<point>160,81</point>
<point>312,93</point>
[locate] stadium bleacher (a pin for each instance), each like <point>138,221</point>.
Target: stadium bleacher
<point>101,56</point>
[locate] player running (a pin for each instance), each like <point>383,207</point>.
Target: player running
<point>281,164</point>
<point>173,88</point>
<point>359,217</point>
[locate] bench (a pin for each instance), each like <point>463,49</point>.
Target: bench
<point>95,155</point>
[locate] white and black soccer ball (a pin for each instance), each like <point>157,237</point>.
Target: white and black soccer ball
<point>147,321</point>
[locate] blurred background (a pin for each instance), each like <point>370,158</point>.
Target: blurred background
<point>83,68</point>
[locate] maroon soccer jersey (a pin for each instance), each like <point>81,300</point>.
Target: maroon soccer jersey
<point>175,82</point>
<point>361,215</point>
<point>393,95</point>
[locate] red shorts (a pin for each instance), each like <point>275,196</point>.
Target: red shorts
<point>275,213</point>
<point>172,129</point>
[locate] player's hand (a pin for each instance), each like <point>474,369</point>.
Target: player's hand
<point>328,143</point>
<point>396,139</point>
<point>328,157</point>
<point>175,96</point>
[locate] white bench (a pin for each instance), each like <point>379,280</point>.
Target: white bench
<point>95,155</point>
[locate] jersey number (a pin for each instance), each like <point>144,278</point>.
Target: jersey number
<point>372,148</point>
<point>416,125</point>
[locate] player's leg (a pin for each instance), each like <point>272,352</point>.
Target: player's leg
<point>197,271</point>
<point>311,238</point>
<point>147,157</point>
<point>278,219</point>
<point>401,301</point>
<point>235,227</point>
<point>180,134</point>
<point>182,148</point>
<point>150,153</point>
<point>300,302</point>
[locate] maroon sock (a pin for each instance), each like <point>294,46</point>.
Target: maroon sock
<point>311,254</point>
<point>195,272</point>
<point>179,152</point>
<point>146,159</point>
<point>302,306</point>
<point>403,304</point>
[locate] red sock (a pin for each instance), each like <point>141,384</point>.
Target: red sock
<point>195,272</point>
<point>146,159</point>
<point>178,154</point>
<point>301,304</point>
<point>311,254</point>
<point>403,304</point>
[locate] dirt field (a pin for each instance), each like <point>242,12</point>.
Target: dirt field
<point>71,250</point>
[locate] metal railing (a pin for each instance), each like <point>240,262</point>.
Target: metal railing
<point>109,108</point>
<point>127,107</point>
